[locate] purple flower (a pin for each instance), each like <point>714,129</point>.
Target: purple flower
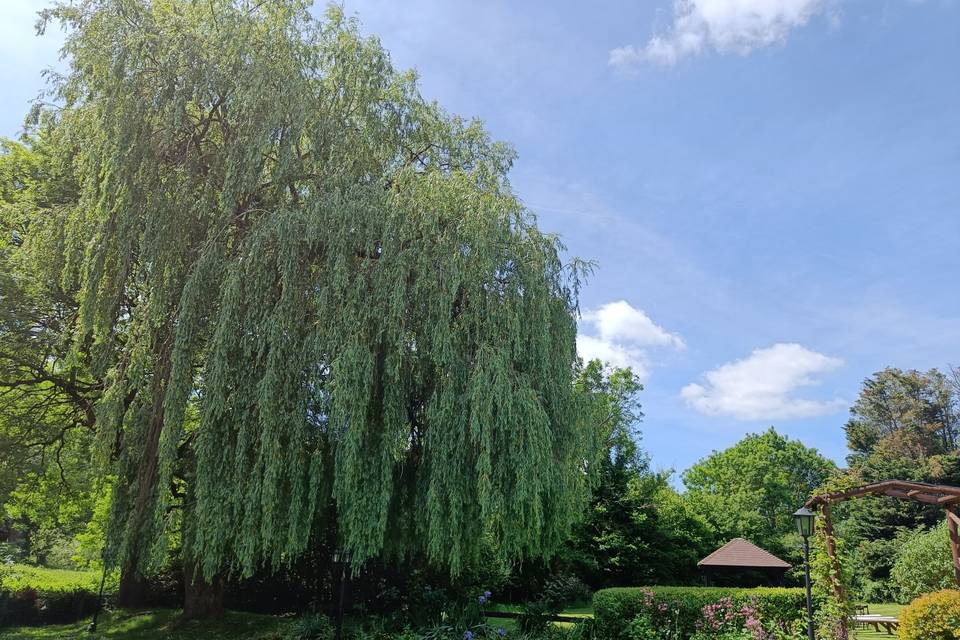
<point>501,632</point>
<point>468,635</point>
<point>482,599</point>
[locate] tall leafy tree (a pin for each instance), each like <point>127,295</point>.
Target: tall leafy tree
<point>752,489</point>
<point>47,396</point>
<point>910,414</point>
<point>613,414</point>
<point>282,238</point>
<point>637,529</point>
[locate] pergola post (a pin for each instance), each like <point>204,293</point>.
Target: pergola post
<point>953,523</point>
<point>832,552</point>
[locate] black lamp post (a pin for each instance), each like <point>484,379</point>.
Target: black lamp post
<point>804,520</point>
<point>342,559</point>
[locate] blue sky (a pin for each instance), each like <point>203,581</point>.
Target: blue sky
<point>770,188</point>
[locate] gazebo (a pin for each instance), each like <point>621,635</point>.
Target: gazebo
<point>742,563</point>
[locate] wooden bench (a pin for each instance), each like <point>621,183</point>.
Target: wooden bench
<point>889,623</point>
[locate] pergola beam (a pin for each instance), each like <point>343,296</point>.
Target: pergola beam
<point>919,491</point>
<point>935,494</point>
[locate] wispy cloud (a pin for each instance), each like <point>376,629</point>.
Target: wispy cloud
<point>762,385</point>
<point>723,26</point>
<point>623,336</point>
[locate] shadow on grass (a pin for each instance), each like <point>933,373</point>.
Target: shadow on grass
<point>161,624</point>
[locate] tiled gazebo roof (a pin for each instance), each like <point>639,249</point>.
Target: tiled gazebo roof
<point>743,553</point>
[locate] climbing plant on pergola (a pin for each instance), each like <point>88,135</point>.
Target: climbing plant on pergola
<point>935,494</point>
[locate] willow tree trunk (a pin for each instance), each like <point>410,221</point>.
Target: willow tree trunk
<point>132,589</point>
<point>202,598</point>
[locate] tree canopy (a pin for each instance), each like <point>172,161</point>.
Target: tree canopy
<point>913,413</point>
<point>306,294</point>
<point>637,528</point>
<point>752,489</point>
<point>47,400</point>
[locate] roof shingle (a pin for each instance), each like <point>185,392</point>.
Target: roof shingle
<point>742,553</point>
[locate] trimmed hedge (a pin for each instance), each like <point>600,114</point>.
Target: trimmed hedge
<point>32,596</point>
<point>21,576</point>
<point>29,607</point>
<point>614,609</point>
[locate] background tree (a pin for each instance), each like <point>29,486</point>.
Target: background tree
<point>907,413</point>
<point>47,396</point>
<point>285,240</point>
<point>902,426</point>
<point>752,489</point>
<point>922,563</point>
<point>637,529</point>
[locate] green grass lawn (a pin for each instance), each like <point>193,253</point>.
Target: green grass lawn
<point>578,609</point>
<point>162,624</point>
<point>884,610</point>
<point>165,624</point>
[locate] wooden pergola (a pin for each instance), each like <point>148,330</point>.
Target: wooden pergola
<point>942,495</point>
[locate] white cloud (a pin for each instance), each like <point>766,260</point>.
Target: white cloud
<point>622,336</point>
<point>614,354</point>
<point>724,26</point>
<point>761,386</point>
<point>620,322</point>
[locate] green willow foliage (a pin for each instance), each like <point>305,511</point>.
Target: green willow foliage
<point>332,275</point>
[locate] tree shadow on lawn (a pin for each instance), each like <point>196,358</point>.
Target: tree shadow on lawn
<point>156,624</point>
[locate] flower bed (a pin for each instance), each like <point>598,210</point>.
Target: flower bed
<point>679,613</point>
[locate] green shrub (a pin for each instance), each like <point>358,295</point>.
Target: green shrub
<point>311,627</point>
<point>557,592</point>
<point>643,627</point>
<point>583,630</point>
<point>564,589</point>
<point>935,616</point>
<point>923,564</point>
<point>18,607</point>
<point>535,616</point>
<point>10,552</point>
<point>683,607</point>
<point>877,591</point>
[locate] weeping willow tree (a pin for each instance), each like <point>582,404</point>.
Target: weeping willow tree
<point>311,294</point>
